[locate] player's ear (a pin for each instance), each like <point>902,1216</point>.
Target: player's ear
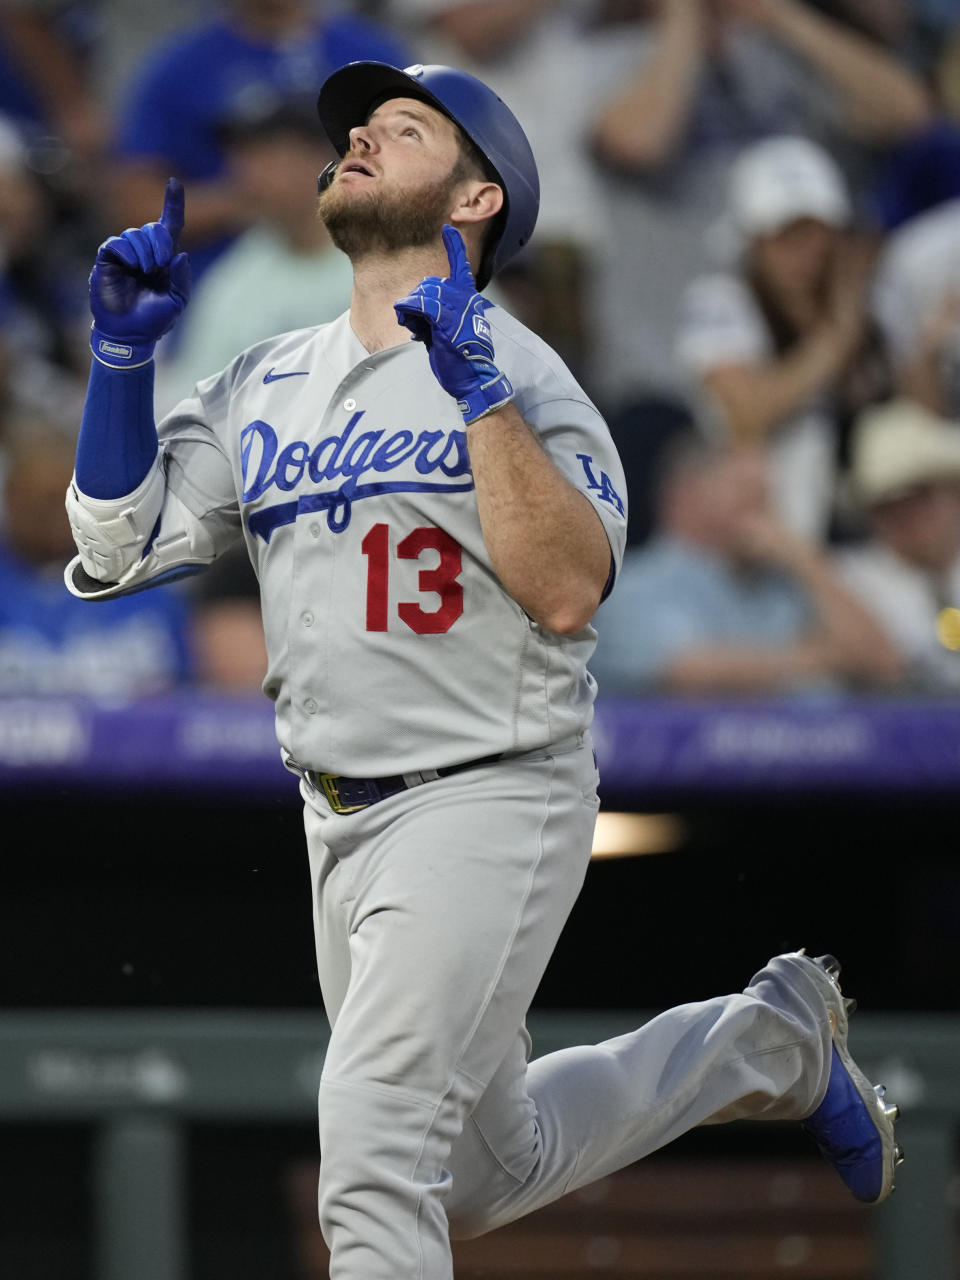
<point>476,201</point>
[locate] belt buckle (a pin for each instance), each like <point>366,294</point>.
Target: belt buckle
<point>328,785</point>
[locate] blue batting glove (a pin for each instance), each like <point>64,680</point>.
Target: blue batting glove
<point>139,285</point>
<point>446,315</point>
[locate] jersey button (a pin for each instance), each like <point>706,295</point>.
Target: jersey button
<point>307,618</point>
<point>310,707</point>
<point>315,530</point>
<point>349,404</point>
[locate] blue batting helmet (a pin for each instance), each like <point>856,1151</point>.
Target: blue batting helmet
<point>350,94</point>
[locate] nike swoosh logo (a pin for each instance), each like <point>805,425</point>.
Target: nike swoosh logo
<point>270,376</point>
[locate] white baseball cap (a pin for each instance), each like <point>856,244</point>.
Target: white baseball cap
<point>900,445</point>
<point>779,180</point>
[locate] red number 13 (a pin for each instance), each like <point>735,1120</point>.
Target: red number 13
<point>442,580</point>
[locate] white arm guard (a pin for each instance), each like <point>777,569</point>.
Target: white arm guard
<point>111,535</point>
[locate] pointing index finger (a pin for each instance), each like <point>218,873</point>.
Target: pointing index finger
<point>172,216</point>
<point>457,256</point>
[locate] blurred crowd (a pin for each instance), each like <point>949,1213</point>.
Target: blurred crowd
<point>748,252</point>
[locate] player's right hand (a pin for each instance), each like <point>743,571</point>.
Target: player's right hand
<point>139,286</point>
<point>446,315</point>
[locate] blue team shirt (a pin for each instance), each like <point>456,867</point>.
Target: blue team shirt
<point>53,643</point>
<point>196,80</point>
<point>673,599</point>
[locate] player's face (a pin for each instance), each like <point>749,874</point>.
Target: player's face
<point>387,193</point>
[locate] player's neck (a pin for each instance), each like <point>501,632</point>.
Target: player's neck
<point>380,280</point>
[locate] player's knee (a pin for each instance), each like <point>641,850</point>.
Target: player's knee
<point>371,1137</point>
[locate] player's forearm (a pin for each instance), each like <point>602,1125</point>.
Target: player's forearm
<point>884,100</point>
<point>642,126</point>
<point>546,542</point>
<point>116,493</point>
<point>117,444</point>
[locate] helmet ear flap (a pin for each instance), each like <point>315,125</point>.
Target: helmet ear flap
<point>326,176</point>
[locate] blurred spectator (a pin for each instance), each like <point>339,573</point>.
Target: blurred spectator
<point>283,272</point>
<point>75,57</point>
<point>44,319</point>
<point>49,641</point>
<point>228,640</point>
<point>199,77</point>
<point>907,476</point>
<point>782,346</point>
<point>887,21</point>
<point>948,69</point>
<point>61,65</point>
<point>641,434</point>
<point>689,88</point>
<point>916,300</point>
<point>726,600</point>
<point>919,174</point>
<point>43,76</point>
<point>914,30</point>
<point>922,170</point>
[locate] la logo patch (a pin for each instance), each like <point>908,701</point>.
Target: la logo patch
<point>603,487</point>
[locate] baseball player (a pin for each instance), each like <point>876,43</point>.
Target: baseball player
<point>434,510</point>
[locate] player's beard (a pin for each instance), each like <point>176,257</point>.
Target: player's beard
<point>385,220</point>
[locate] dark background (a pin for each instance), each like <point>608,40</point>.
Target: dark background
<point>166,900</point>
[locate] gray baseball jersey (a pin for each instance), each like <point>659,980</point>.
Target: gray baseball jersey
<point>392,645</point>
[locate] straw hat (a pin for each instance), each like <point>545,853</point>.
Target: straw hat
<point>900,445</point>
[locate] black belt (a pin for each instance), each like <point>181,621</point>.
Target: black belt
<point>349,795</point>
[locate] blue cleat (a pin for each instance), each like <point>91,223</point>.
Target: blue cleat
<point>853,1126</point>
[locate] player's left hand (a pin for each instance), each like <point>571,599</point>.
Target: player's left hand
<point>446,315</point>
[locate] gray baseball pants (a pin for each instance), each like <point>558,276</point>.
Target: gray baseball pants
<point>436,912</point>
